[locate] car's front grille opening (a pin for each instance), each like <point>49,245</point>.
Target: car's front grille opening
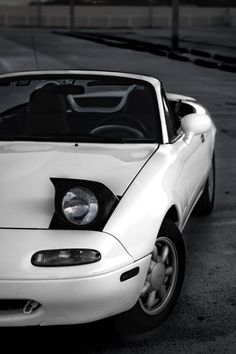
<point>25,306</point>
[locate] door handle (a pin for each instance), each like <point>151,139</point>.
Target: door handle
<point>202,138</point>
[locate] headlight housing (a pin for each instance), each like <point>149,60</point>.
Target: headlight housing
<point>81,204</point>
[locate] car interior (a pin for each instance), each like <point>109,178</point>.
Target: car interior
<point>87,108</point>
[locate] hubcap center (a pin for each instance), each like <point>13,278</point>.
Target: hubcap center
<point>158,276</point>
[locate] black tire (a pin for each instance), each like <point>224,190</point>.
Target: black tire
<point>138,320</point>
<point>205,203</point>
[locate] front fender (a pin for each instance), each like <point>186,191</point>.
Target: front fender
<point>139,215</point>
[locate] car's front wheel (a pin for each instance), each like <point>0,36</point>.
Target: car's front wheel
<point>162,285</point>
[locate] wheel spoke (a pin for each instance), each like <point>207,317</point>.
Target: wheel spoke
<point>151,265</point>
<point>165,280</point>
<point>169,271</point>
<point>149,277</point>
<point>145,288</point>
<point>162,292</point>
<point>154,254</point>
<point>164,253</point>
<point>151,299</point>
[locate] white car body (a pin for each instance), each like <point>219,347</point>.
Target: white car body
<point>154,181</point>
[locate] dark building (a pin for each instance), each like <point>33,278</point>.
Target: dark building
<point>216,3</point>
<point>211,3</point>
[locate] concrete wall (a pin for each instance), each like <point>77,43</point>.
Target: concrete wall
<point>111,16</point>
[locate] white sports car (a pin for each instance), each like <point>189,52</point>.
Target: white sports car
<point>99,173</point>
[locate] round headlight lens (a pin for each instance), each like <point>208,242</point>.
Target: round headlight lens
<point>80,206</point>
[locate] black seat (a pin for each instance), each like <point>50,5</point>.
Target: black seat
<point>140,102</point>
<point>140,105</point>
<point>46,114</point>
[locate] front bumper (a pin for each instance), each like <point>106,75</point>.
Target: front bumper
<point>66,295</point>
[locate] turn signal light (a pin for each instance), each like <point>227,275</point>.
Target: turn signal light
<point>65,257</point>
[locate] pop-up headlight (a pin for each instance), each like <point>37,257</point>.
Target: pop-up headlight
<point>81,204</point>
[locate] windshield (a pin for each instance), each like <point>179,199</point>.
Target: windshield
<point>81,108</point>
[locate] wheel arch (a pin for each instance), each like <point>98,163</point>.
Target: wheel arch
<point>172,214</point>
<point>138,246</point>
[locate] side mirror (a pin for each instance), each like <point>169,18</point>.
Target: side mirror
<point>195,124</point>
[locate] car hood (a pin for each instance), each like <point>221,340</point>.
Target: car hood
<point>26,192</point>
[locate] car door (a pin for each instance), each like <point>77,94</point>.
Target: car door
<point>177,147</point>
<point>192,157</point>
<point>196,166</point>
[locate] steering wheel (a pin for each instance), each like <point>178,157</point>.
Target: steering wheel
<point>124,120</point>
<point>117,131</point>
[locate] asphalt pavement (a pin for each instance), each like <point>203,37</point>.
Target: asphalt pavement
<point>212,47</point>
<point>204,320</point>
<point>215,39</point>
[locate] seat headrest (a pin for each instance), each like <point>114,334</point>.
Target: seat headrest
<point>139,101</point>
<point>46,113</point>
<point>44,100</point>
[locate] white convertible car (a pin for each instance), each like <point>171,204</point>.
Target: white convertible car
<point>99,173</point>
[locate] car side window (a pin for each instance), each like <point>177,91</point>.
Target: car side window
<point>170,122</point>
